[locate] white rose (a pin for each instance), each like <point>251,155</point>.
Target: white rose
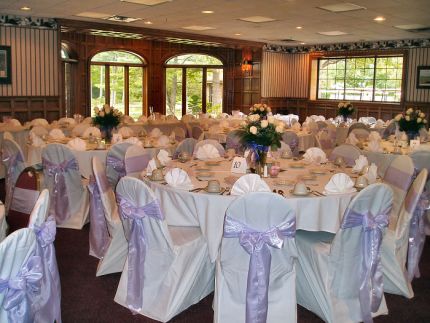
<point>409,111</point>
<point>340,105</point>
<point>251,109</point>
<point>422,115</point>
<point>261,109</point>
<point>96,110</point>
<point>398,117</point>
<point>107,109</point>
<point>424,121</point>
<point>101,114</point>
<point>279,129</point>
<point>419,120</point>
<point>271,119</point>
<point>269,109</point>
<point>350,108</point>
<point>253,130</point>
<point>243,124</point>
<point>408,118</point>
<point>264,123</point>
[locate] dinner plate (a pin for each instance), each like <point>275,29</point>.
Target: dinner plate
<point>222,190</point>
<point>297,165</point>
<point>319,171</point>
<point>283,182</point>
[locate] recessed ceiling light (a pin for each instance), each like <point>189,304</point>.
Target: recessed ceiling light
<point>257,19</point>
<point>148,22</point>
<point>332,33</point>
<point>207,11</point>
<point>379,18</point>
<point>198,28</point>
<point>89,14</point>
<point>147,2</point>
<point>302,43</point>
<point>341,7</point>
<point>299,27</point>
<point>122,18</point>
<point>25,8</point>
<point>238,34</point>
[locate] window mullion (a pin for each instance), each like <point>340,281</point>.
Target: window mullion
<point>126,91</point>
<point>184,90</point>
<point>107,84</point>
<point>204,90</point>
<point>344,80</point>
<point>374,78</point>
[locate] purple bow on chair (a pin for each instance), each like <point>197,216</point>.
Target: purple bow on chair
<point>371,286</point>
<point>417,236</point>
<point>21,290</point>
<point>49,300</point>
<point>60,201</point>
<point>11,161</point>
<point>99,234</point>
<point>117,164</point>
<point>256,245</point>
<point>136,246</point>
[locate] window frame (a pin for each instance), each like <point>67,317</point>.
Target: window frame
<point>375,57</point>
<point>184,67</point>
<point>126,66</point>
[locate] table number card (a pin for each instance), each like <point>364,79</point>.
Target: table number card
<point>414,144</point>
<point>239,165</point>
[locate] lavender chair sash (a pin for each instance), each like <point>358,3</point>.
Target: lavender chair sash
<point>117,164</point>
<point>11,161</point>
<point>417,236</point>
<point>99,234</point>
<point>136,246</point>
<point>50,298</point>
<point>371,285</point>
<point>21,291</point>
<point>60,201</point>
<point>256,245</point>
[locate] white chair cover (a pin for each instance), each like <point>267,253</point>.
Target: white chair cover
<point>13,160</point>
<point>233,141</point>
<point>45,229</point>
<point>168,270</point>
<point>14,122</point>
<point>212,142</point>
<point>69,201</point>
<point>18,262</point>
<point>136,160</point>
<point>357,125</point>
<point>56,134</point>
<point>394,248</point>
<point>334,278</point>
<point>80,128</point>
<point>142,118</point>
<point>255,270</point>
<point>399,177</point>
<point>127,119</point>
<point>360,133</point>
<point>67,121</point>
<point>292,140</point>
<point>109,244</point>
<point>115,167</point>
<point>92,130</point>
<point>348,152</point>
<point>325,142</point>
<point>39,122</point>
<point>3,224</point>
<point>196,132</point>
<point>186,145</point>
<point>179,133</point>
<point>126,132</point>
<point>421,159</point>
<point>87,120</point>
<point>39,131</point>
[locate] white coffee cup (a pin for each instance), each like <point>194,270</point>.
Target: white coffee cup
<point>300,188</point>
<point>214,186</point>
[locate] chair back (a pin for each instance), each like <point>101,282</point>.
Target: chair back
<point>67,121</point>
<point>360,133</point>
<point>17,257</point>
<point>421,159</point>
<point>292,140</point>
<point>233,141</point>
<point>357,125</point>
<point>13,160</point>
<point>179,133</point>
<point>324,141</point>
<point>94,131</point>
<point>136,160</point>
<point>212,142</point>
<point>127,119</point>
<point>115,166</point>
<point>3,223</point>
<point>186,145</point>
<point>399,177</point>
<point>79,129</point>
<point>39,122</point>
<point>39,131</point>
<point>390,130</point>
<point>24,197</point>
<point>40,212</point>
<point>126,132</point>
<point>196,132</point>
<point>348,152</point>
<point>63,179</point>
<point>321,125</point>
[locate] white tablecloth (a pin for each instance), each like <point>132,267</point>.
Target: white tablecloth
<point>183,208</point>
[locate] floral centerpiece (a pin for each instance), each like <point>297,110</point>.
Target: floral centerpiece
<point>411,122</point>
<point>345,109</point>
<point>261,109</point>
<point>258,135</point>
<point>107,118</point>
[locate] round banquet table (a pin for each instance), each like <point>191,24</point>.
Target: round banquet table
<point>207,210</point>
<point>84,158</point>
<point>342,133</point>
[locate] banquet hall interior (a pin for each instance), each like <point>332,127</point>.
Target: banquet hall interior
<point>214,161</point>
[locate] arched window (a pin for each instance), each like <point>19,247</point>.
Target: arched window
<point>194,84</point>
<point>118,79</point>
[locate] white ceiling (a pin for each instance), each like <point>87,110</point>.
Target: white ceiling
<point>288,14</point>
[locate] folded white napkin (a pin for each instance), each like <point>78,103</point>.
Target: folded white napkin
<point>249,183</point>
<point>207,151</point>
<point>339,183</point>
<point>296,126</point>
<point>126,132</point>
<point>372,173</point>
<point>360,162</point>
<point>163,157</point>
<point>352,139</point>
<point>163,141</point>
<point>315,155</point>
<point>134,141</point>
<point>374,135</point>
<point>77,144</point>
<point>155,133</point>
<point>116,138</point>
<point>56,134</point>
<point>151,166</point>
<point>178,178</point>
<point>92,130</point>
<point>374,146</point>
<point>36,141</point>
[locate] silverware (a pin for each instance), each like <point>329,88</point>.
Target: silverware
<point>196,189</point>
<point>317,193</point>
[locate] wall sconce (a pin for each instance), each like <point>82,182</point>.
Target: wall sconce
<point>246,66</point>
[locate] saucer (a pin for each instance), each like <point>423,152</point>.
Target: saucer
<point>284,182</point>
<point>301,193</point>
<point>297,165</point>
<point>156,180</point>
<point>308,177</point>
<point>222,190</point>
<point>202,168</point>
<point>212,162</point>
<point>317,171</point>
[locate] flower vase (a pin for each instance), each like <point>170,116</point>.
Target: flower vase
<point>345,118</point>
<point>107,133</point>
<point>411,135</point>
<point>260,161</point>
